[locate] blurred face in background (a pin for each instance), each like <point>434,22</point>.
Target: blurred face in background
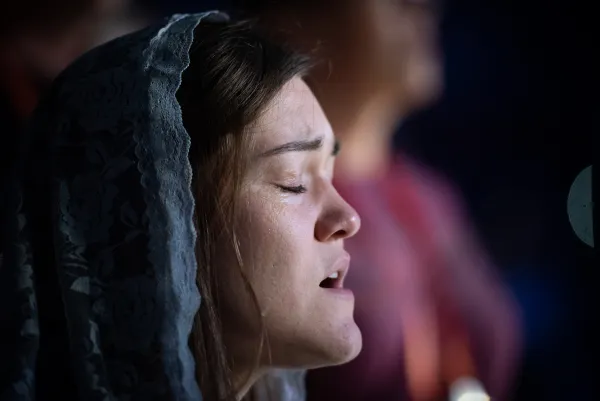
<point>387,45</point>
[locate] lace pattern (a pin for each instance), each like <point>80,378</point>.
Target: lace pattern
<point>106,193</point>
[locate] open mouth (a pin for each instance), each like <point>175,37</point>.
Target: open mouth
<point>335,275</point>
<point>335,280</point>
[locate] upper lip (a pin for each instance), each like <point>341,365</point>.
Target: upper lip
<point>340,266</point>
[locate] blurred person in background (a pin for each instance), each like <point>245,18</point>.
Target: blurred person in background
<point>428,300</point>
<point>38,39</point>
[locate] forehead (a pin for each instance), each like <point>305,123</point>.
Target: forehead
<point>292,115</point>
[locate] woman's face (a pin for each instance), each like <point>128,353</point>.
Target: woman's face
<point>291,230</point>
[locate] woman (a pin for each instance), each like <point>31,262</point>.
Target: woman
<point>430,307</point>
<point>191,150</point>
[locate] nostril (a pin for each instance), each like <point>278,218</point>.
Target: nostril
<point>340,234</point>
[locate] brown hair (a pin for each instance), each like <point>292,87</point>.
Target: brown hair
<point>234,73</point>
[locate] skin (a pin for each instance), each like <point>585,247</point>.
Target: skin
<point>292,226</point>
<point>382,64</point>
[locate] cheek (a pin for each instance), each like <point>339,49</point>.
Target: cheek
<point>279,251</point>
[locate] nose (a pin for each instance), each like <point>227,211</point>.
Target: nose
<point>338,220</point>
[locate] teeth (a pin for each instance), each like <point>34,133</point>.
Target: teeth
<point>334,275</point>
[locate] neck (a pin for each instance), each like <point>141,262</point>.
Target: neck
<point>246,370</point>
<point>244,380</point>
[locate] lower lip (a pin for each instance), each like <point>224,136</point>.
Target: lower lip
<point>340,292</point>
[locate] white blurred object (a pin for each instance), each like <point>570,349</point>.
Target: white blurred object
<point>580,206</point>
<point>281,385</point>
<point>468,389</point>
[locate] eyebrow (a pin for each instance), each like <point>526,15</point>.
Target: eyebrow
<point>301,146</point>
<point>295,146</point>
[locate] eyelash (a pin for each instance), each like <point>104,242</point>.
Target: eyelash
<point>299,189</point>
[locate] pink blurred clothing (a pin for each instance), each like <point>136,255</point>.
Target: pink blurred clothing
<point>428,301</point>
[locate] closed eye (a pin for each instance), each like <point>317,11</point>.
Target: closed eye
<point>299,189</point>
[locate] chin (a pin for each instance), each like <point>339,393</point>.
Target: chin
<point>351,352</point>
<point>327,347</point>
<point>341,348</point>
